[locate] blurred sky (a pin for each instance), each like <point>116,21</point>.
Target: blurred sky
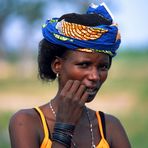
<point>131,16</point>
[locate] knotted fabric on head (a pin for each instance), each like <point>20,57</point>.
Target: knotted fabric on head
<point>99,37</point>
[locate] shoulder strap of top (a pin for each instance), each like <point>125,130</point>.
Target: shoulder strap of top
<point>100,124</point>
<point>103,122</point>
<point>43,122</point>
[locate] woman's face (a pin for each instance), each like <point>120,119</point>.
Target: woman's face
<point>91,69</point>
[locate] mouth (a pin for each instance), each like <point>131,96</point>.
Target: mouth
<point>92,91</point>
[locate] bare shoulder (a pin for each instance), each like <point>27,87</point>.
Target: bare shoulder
<point>24,129</point>
<point>112,121</point>
<point>24,115</point>
<point>116,132</point>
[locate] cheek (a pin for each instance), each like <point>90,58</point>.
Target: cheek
<point>70,74</point>
<point>104,76</point>
<point>75,74</point>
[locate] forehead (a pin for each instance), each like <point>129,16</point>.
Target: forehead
<point>79,55</point>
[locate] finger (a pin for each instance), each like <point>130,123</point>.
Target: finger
<point>80,91</point>
<point>75,87</point>
<point>67,86</point>
<point>84,98</point>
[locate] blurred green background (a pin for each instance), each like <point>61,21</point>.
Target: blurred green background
<point>124,94</point>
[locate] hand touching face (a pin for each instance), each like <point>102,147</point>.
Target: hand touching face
<point>72,99</point>
<point>90,69</point>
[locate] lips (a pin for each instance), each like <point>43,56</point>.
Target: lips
<point>92,91</point>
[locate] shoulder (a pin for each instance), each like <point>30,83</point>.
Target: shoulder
<point>25,129</point>
<point>116,132</point>
<point>112,121</point>
<point>24,119</point>
<point>24,115</point>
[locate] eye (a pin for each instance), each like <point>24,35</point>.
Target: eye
<point>104,67</point>
<point>83,64</point>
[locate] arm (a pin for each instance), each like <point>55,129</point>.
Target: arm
<point>24,125</point>
<point>22,130</point>
<point>118,136</point>
<point>71,102</point>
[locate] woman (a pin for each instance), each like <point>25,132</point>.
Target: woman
<point>78,50</point>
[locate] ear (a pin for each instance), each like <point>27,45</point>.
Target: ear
<point>56,65</point>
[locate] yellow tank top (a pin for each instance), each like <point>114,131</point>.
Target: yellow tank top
<point>46,143</point>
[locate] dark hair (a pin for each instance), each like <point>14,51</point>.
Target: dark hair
<point>48,51</point>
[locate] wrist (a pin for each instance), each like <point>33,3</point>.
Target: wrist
<point>63,133</point>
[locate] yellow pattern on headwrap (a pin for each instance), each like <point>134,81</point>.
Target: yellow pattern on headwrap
<point>81,32</point>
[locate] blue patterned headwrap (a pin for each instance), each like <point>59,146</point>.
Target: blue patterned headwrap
<point>101,38</point>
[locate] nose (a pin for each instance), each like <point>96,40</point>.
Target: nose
<point>94,74</point>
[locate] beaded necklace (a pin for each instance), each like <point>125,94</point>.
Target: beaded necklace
<point>90,125</point>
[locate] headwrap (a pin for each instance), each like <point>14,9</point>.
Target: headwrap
<point>101,38</point>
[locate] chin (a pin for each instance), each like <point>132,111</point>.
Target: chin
<point>90,98</point>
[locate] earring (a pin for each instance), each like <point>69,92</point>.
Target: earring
<point>57,75</point>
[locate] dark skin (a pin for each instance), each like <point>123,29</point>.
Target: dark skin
<point>80,77</point>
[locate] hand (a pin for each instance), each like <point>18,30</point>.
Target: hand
<point>71,102</point>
